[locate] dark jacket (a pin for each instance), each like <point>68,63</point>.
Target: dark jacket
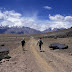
<point>23,42</point>
<point>40,42</point>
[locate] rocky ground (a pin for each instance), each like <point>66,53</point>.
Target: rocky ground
<point>32,60</point>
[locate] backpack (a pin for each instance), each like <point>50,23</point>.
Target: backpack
<point>40,42</point>
<point>23,41</point>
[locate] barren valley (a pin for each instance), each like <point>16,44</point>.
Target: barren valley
<point>32,60</point>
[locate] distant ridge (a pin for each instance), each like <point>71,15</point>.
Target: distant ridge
<point>51,30</point>
<point>18,30</point>
<point>57,34</point>
<point>25,30</point>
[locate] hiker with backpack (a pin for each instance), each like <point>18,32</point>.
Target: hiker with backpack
<point>40,42</point>
<point>23,43</point>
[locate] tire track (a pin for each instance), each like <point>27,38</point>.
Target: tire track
<point>41,61</point>
<point>60,62</point>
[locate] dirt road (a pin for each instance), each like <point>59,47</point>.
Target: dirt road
<point>32,60</point>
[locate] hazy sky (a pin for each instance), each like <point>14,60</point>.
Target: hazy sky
<point>37,14</point>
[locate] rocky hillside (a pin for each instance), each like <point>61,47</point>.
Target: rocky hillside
<point>57,34</point>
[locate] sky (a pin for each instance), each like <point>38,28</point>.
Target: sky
<point>36,14</point>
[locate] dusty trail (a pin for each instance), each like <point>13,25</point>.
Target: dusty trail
<point>21,61</point>
<point>50,60</point>
<point>60,61</point>
<point>41,61</point>
<point>32,60</point>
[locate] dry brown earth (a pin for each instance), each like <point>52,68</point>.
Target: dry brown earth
<point>32,60</point>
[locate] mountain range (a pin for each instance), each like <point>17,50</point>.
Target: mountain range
<point>51,30</point>
<point>24,30</point>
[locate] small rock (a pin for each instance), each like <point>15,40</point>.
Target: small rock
<point>15,63</point>
<point>50,61</point>
<point>7,57</point>
<point>2,44</point>
<point>0,62</point>
<point>7,60</point>
<point>3,60</point>
<point>71,54</point>
<point>25,68</point>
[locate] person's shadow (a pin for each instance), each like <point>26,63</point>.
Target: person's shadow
<point>42,51</point>
<point>25,50</point>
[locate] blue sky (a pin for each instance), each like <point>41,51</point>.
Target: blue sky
<point>37,14</point>
<point>29,7</point>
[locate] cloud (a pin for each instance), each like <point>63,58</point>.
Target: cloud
<point>59,21</point>
<point>47,7</point>
<point>57,17</point>
<point>68,18</point>
<point>1,16</point>
<point>12,18</point>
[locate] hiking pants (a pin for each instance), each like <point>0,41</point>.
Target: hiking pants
<point>23,46</point>
<point>40,47</point>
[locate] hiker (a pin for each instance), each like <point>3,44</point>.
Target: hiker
<point>40,42</point>
<point>23,43</point>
